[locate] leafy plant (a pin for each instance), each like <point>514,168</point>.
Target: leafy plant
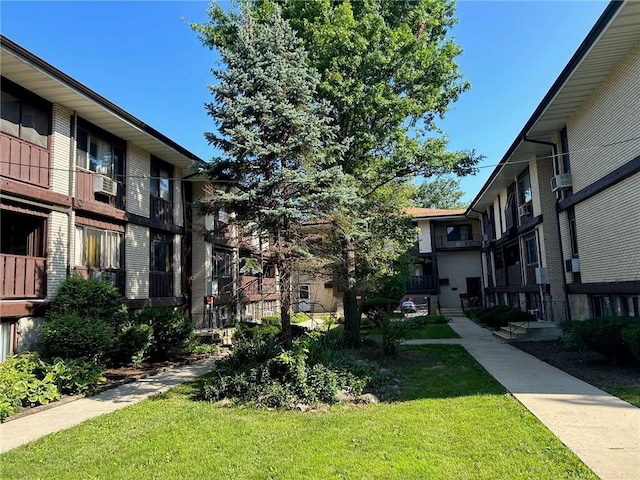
<point>631,336</point>
<point>134,341</point>
<point>75,336</point>
<point>392,332</point>
<point>172,330</point>
<point>76,376</point>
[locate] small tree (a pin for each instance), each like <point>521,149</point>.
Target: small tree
<point>278,146</point>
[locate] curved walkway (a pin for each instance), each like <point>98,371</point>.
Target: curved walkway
<point>602,430</point>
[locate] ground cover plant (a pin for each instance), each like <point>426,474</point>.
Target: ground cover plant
<point>450,420</point>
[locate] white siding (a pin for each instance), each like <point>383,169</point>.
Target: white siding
<point>57,254</point>
<point>424,237</point>
<point>457,267</point>
<point>138,170</point>
<point>61,150</point>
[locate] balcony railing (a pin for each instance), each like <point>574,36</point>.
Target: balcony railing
<point>161,210</point>
<point>444,242</point>
<point>160,284</point>
<point>501,277</point>
<point>85,191</point>
<point>419,283</point>
<point>258,288</point>
<point>24,161</point>
<point>514,275</point>
<point>23,277</point>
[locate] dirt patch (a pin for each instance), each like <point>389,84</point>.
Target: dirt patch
<point>588,366</point>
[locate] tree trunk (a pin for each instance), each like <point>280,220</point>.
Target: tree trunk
<point>285,301</point>
<point>351,310</point>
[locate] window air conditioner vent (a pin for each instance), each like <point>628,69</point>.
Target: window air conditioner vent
<point>561,182</point>
<point>524,209</point>
<point>105,185</point>
<point>572,265</point>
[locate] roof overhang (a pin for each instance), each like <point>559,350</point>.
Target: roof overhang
<point>615,33</point>
<point>33,73</point>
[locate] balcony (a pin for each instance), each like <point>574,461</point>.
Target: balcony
<point>530,271</point>
<point>161,210</point>
<point>86,197</point>
<point>256,288</point>
<point>24,161</point>
<point>160,284</point>
<point>418,284</point>
<point>443,243</point>
<point>514,276</point>
<point>22,277</point>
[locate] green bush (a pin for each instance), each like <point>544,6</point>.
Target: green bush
<point>75,336</point>
<point>491,316</point>
<point>259,372</point>
<point>392,332</point>
<point>504,318</point>
<point>273,320</point>
<point>133,343</point>
<point>631,336</point>
<point>73,377</point>
<point>90,298</point>
<point>603,335</point>
<point>172,330</point>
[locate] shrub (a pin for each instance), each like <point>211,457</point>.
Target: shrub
<point>134,341</point>
<point>273,320</point>
<point>75,336</point>
<point>172,330</point>
<point>90,298</point>
<point>604,335</point>
<point>392,332</point>
<point>261,373</point>
<point>25,381</point>
<point>504,318</point>
<point>631,336</point>
<point>76,376</point>
<point>491,316</point>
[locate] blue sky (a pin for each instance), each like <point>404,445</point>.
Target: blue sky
<point>144,57</point>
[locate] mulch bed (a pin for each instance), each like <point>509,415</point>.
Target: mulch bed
<point>588,366</point>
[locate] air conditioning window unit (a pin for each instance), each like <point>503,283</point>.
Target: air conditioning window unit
<point>485,237</point>
<point>561,182</point>
<point>524,209</point>
<point>572,265</point>
<point>104,185</point>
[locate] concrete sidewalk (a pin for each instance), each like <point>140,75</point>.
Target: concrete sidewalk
<point>31,427</point>
<point>602,430</point>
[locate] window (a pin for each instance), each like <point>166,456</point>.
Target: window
<point>222,265</point>
<point>524,189</point>
<point>100,155</point>
<point>304,292</point>
<point>161,181</point>
<point>98,248</point>
<point>24,115</point>
<point>22,234</point>
<point>531,250</point>
<point>458,232</point>
<point>161,253</point>
<point>615,305</point>
<point>564,144</point>
<point>573,234</point>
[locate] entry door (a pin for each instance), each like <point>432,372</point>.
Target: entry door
<point>474,290</point>
<point>304,298</point>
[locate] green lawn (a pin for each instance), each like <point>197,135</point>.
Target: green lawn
<point>429,332</point>
<point>452,421</point>
<point>629,394</point>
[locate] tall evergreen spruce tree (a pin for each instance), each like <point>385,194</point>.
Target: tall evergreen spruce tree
<point>279,148</point>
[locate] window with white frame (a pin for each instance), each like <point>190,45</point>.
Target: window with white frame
<point>531,250</point>
<point>98,248</point>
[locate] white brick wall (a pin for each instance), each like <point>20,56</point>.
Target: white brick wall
<point>424,237</point>
<point>608,228</point>
<point>57,254</point>
<point>177,265</point>
<point>61,149</point>
<point>137,247</point>
<point>138,170</point>
<point>600,132</point>
<point>201,255</point>
<point>178,218</point>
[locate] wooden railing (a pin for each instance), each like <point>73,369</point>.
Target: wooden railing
<point>160,284</point>
<point>22,276</point>
<point>85,191</point>
<point>501,277</point>
<point>514,275</point>
<point>258,288</point>
<point>161,210</point>
<point>24,161</point>
<point>418,283</point>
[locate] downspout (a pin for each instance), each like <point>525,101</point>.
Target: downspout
<point>482,293</point>
<point>72,170</point>
<point>554,152</point>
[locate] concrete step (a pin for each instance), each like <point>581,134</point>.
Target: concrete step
<point>529,332</point>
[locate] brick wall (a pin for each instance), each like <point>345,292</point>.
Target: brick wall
<point>61,149</point>
<point>137,245</point>
<point>178,218</point>
<point>608,227</point>
<point>138,170</point>
<point>57,254</point>
<point>600,132</point>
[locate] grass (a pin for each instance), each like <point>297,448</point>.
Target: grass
<point>436,331</point>
<point>452,421</point>
<point>629,394</point>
